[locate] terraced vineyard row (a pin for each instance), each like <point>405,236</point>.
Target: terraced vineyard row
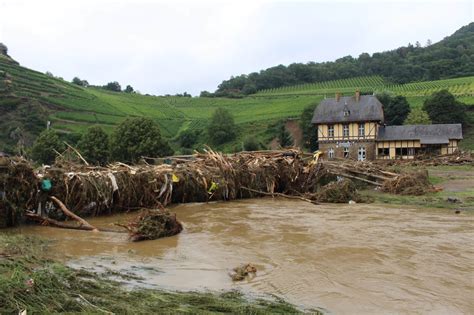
<point>367,82</point>
<point>458,86</point>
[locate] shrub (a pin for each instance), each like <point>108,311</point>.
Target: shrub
<point>94,145</point>
<point>137,137</point>
<point>250,144</point>
<point>222,128</point>
<point>43,150</point>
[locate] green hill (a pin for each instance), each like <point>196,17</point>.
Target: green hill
<point>451,57</point>
<point>28,99</point>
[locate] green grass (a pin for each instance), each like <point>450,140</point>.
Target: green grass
<point>30,281</point>
<point>72,108</point>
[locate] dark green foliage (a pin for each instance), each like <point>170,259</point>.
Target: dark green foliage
<point>3,49</point>
<point>43,150</point>
<point>278,130</point>
<point>129,89</point>
<point>188,138</point>
<point>251,144</point>
<point>221,128</point>
<point>113,86</point>
<point>206,94</point>
<point>80,82</point>
<point>443,108</point>
<point>418,116</point>
<point>310,135</point>
<point>284,137</point>
<point>137,137</point>
<point>451,57</point>
<point>94,145</point>
<point>395,108</point>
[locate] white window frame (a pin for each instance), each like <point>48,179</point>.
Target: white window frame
<point>361,154</point>
<point>345,130</point>
<point>331,131</point>
<point>346,152</point>
<point>362,130</point>
<point>331,153</point>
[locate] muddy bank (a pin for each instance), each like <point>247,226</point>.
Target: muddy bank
<point>348,259</point>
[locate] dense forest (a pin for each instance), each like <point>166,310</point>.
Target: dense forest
<point>451,57</point>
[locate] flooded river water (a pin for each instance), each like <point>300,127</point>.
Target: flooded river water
<point>347,259</point>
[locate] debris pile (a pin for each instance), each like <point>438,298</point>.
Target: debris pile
<point>18,189</point>
<point>152,224</point>
<point>341,191</point>
<point>413,183</point>
<point>85,190</point>
<point>241,272</point>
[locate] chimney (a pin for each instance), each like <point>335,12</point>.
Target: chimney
<point>338,96</point>
<point>357,95</point>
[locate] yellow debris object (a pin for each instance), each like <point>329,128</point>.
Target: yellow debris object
<point>175,178</point>
<point>213,188</point>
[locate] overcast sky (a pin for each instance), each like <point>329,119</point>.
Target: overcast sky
<point>168,47</point>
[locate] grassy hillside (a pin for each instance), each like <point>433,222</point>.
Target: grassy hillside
<point>29,98</point>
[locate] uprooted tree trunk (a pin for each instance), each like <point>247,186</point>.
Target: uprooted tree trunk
<point>83,224</point>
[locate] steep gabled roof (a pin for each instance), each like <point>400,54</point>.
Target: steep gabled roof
<point>368,108</point>
<point>427,134</point>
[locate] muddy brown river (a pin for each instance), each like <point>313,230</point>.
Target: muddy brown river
<point>345,259</point>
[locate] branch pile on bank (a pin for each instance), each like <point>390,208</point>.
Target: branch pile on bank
<point>415,183</point>
<point>18,189</point>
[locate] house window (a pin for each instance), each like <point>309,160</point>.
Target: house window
<point>361,130</point>
<point>383,152</point>
<point>331,131</point>
<point>331,153</point>
<point>345,130</point>
<point>401,151</point>
<point>346,153</point>
<point>361,154</point>
<point>347,112</point>
<point>411,151</point>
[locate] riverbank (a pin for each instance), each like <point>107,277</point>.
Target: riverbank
<point>456,184</point>
<point>31,281</point>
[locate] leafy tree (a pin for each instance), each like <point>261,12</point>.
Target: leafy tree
<point>395,108</point>
<point>417,116</point>
<point>49,74</point>
<point>43,150</point>
<point>113,86</point>
<point>443,108</point>
<point>251,144</point>
<point>187,138</point>
<point>79,82</point>
<point>221,128</point>
<point>129,89</point>
<point>137,137</point>
<point>94,145</point>
<point>3,49</point>
<point>310,135</point>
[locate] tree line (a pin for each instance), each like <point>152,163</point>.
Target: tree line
<point>451,57</point>
<point>131,140</point>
